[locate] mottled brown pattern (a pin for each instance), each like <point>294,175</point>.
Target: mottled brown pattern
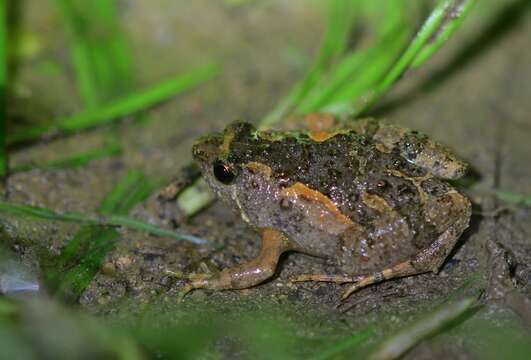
<point>371,197</point>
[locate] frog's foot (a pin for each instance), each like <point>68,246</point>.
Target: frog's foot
<point>195,281</point>
<point>429,259</point>
<point>401,269</point>
<point>360,281</point>
<point>204,281</point>
<point>245,275</point>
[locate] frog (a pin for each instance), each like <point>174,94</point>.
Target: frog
<point>373,198</point>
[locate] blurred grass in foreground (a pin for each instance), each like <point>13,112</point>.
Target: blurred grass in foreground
<point>105,75</point>
<point>99,52</point>
<point>3,85</point>
<point>110,220</point>
<point>80,260</point>
<point>31,329</point>
<point>245,329</point>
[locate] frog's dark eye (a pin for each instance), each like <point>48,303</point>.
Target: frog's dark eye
<point>224,173</point>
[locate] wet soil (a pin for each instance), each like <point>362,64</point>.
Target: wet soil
<point>473,96</point>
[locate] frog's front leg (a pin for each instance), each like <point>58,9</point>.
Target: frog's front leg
<point>274,243</point>
<point>413,146</point>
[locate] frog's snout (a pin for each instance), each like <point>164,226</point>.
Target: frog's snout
<point>206,148</point>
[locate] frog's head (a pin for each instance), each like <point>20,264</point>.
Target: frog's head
<point>221,159</point>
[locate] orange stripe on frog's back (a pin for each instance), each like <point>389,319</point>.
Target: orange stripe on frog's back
<point>322,135</point>
<point>321,211</point>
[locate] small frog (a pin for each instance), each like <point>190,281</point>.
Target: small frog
<point>371,197</point>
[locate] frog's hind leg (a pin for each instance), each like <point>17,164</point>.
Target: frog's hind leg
<point>360,281</point>
<point>428,259</point>
<point>274,243</point>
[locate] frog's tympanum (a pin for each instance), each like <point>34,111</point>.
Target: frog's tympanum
<point>372,198</point>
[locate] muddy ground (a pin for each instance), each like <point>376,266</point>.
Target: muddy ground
<point>473,96</point>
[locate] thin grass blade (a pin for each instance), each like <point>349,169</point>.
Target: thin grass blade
<point>120,108</point>
<point>349,344</point>
<point>423,36</point>
<point>455,18</point>
<point>72,271</point>
<point>80,261</point>
<point>131,190</point>
<point>3,85</point>
<point>341,18</point>
<point>119,220</point>
<point>514,198</point>
<point>99,52</point>
<point>395,346</point>
<point>113,221</point>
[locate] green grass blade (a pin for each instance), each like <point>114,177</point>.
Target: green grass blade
<point>8,308</point>
<point>514,198</point>
<point>339,26</point>
<point>80,49</point>
<point>371,73</point>
<point>80,260</point>
<point>99,53</point>
<point>460,11</point>
<point>351,79</point>
<point>349,83</point>
<point>72,271</point>
<point>131,190</point>
<point>119,220</point>
<point>48,214</point>
<point>345,345</point>
<point>120,108</point>
<point>43,213</point>
<point>427,31</point>
<point>3,85</point>
<point>395,346</point>
<point>359,70</point>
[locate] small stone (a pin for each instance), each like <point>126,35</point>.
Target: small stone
<point>108,269</point>
<point>123,261</point>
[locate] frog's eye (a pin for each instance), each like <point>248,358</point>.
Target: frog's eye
<point>224,173</point>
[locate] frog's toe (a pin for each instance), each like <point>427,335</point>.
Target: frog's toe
<point>184,291</point>
<point>196,281</point>
<point>351,289</point>
<point>362,281</point>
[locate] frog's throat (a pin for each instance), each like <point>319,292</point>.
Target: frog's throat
<point>234,196</point>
